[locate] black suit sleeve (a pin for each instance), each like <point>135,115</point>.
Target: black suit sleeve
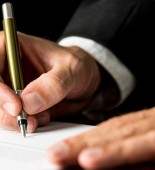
<point>126,27</point>
<point>101,20</point>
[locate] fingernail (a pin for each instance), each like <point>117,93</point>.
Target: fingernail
<point>60,150</point>
<point>95,152</point>
<point>10,108</point>
<point>33,101</point>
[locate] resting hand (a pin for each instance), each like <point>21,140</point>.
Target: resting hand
<point>60,79</point>
<point>123,140</point>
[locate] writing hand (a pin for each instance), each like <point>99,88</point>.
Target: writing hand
<point>58,80</point>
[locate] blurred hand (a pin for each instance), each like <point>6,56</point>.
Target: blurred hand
<point>124,140</point>
<point>58,81</point>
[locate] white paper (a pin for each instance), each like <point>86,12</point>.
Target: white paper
<point>18,153</point>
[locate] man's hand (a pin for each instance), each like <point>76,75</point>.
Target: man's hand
<point>123,140</point>
<point>58,81</point>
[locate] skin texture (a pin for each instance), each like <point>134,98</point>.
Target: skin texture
<point>124,140</point>
<point>57,80</point>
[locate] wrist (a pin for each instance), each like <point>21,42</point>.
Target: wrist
<point>106,98</point>
<point>87,74</point>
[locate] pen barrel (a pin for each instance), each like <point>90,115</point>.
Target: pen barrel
<point>12,48</point>
<point>13,57</point>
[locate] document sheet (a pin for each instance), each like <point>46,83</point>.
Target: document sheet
<point>18,153</point>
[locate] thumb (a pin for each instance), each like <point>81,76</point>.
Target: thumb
<point>46,91</point>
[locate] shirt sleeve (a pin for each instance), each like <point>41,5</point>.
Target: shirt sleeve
<point>117,70</point>
<point>120,73</point>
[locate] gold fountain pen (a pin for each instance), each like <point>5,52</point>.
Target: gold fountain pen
<point>12,50</point>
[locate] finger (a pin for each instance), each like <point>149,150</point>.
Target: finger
<point>130,151</point>
<point>125,131</point>
<point>38,120</point>
<point>96,137</point>
<point>47,90</point>
<point>10,122</point>
<point>32,124</point>
<point>7,121</point>
<point>9,101</point>
<point>130,118</point>
<point>66,152</point>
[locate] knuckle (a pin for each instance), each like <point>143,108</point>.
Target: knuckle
<point>56,85</point>
<point>114,122</point>
<point>59,85</point>
<point>127,131</point>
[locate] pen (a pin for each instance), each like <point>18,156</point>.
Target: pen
<point>12,50</point>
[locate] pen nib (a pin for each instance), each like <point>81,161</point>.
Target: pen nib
<point>23,130</point>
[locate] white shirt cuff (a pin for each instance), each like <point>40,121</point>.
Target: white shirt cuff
<point>121,74</point>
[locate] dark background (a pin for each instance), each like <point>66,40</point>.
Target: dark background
<point>42,18</point>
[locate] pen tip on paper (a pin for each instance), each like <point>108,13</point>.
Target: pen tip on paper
<point>23,130</point>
